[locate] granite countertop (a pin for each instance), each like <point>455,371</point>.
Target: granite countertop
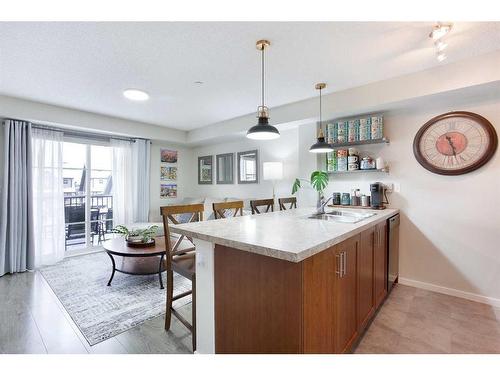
<point>287,235</point>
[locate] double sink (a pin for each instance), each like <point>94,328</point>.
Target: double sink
<point>342,216</point>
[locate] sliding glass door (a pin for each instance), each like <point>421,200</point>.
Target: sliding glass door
<point>88,195</point>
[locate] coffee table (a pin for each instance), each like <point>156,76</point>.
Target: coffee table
<point>136,260</point>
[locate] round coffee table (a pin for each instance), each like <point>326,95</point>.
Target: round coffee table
<point>136,260</point>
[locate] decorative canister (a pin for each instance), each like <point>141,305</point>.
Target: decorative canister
<point>365,129</point>
<point>342,164</point>
<point>367,163</point>
<point>352,130</point>
<point>377,127</point>
<point>336,198</point>
<point>343,152</point>
<point>346,199</point>
<point>341,131</point>
<point>365,200</point>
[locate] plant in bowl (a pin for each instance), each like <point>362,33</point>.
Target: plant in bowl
<point>138,236</point>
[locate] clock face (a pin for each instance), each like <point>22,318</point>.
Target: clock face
<point>455,143</point>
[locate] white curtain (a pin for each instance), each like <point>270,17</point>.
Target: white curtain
<point>142,160</point>
<point>48,196</point>
<point>131,165</point>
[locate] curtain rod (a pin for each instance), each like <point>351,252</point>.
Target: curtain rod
<point>82,133</point>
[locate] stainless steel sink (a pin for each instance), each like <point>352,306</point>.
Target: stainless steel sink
<point>342,216</point>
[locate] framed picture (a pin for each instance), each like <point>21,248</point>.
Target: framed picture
<point>168,156</point>
<point>168,173</point>
<point>205,170</point>
<point>248,167</point>
<point>168,191</point>
<point>225,168</point>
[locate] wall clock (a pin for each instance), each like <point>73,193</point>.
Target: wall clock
<point>455,143</point>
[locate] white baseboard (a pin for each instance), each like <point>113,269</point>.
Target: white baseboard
<point>451,292</point>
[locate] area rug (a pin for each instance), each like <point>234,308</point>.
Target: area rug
<point>102,311</point>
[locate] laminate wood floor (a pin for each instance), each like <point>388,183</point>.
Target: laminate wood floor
<point>32,320</point>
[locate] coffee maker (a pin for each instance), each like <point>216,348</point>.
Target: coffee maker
<point>377,191</point>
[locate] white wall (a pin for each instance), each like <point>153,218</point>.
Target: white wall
<point>28,110</point>
<point>283,149</point>
<point>184,181</point>
<point>450,227</point>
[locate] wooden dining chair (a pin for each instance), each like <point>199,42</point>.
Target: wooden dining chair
<point>283,201</point>
<point>255,204</point>
<point>221,209</point>
<point>180,258</point>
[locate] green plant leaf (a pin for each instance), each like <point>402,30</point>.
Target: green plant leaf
<point>319,180</point>
<point>296,186</point>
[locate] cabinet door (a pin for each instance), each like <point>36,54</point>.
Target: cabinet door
<point>345,294</point>
<point>380,263</point>
<point>366,300</point>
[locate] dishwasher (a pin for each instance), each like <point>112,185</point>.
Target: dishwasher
<point>393,251</point>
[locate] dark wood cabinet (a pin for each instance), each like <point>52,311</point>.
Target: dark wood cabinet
<point>345,294</point>
<point>366,300</point>
<point>380,263</point>
<point>319,305</point>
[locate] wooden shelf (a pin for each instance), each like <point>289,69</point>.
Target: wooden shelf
<point>384,170</point>
<point>361,143</point>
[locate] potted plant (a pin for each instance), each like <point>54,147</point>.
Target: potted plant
<point>138,237</point>
<point>319,181</point>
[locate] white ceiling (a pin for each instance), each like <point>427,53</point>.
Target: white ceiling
<point>87,65</point>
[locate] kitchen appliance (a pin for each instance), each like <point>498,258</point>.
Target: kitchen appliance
<point>365,200</point>
<point>377,191</point>
<point>393,251</point>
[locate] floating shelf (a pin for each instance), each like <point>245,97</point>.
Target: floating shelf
<point>384,170</point>
<point>360,143</point>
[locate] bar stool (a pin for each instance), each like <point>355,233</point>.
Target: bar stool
<point>221,209</point>
<point>180,258</point>
<point>292,201</point>
<point>255,204</point>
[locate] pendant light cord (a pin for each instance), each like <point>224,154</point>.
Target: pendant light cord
<point>263,72</point>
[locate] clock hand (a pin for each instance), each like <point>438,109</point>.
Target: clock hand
<point>448,138</point>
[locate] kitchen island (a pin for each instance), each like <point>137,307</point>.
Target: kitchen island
<point>283,282</point>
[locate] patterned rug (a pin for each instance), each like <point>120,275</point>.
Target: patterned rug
<point>102,311</point>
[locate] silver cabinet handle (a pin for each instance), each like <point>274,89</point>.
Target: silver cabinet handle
<point>343,263</point>
<point>338,270</point>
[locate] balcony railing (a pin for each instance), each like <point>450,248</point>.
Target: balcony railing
<point>101,218</point>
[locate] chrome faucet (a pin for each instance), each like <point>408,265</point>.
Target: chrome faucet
<point>321,205</point>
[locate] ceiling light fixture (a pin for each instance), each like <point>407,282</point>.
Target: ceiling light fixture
<point>263,131</point>
<point>440,45</point>
<point>441,56</point>
<point>440,30</point>
<point>320,146</point>
<point>136,95</point>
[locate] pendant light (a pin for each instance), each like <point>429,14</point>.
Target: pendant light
<point>263,131</point>
<point>321,146</point>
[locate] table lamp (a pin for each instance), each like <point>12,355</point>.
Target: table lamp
<point>272,170</point>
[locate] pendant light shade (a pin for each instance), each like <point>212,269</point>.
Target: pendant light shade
<point>263,130</point>
<point>321,146</point>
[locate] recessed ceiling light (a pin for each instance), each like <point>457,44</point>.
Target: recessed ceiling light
<point>441,56</point>
<point>136,95</point>
<point>199,82</point>
<point>439,31</point>
<point>440,45</point>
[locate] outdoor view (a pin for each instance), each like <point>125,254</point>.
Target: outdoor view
<point>88,199</point>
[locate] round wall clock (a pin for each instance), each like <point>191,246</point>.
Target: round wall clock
<point>455,143</point>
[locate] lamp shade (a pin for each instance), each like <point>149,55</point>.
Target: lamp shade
<point>272,170</point>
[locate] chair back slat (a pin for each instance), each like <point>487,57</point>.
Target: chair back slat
<point>283,201</point>
<point>221,209</point>
<point>167,213</point>
<point>267,203</point>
